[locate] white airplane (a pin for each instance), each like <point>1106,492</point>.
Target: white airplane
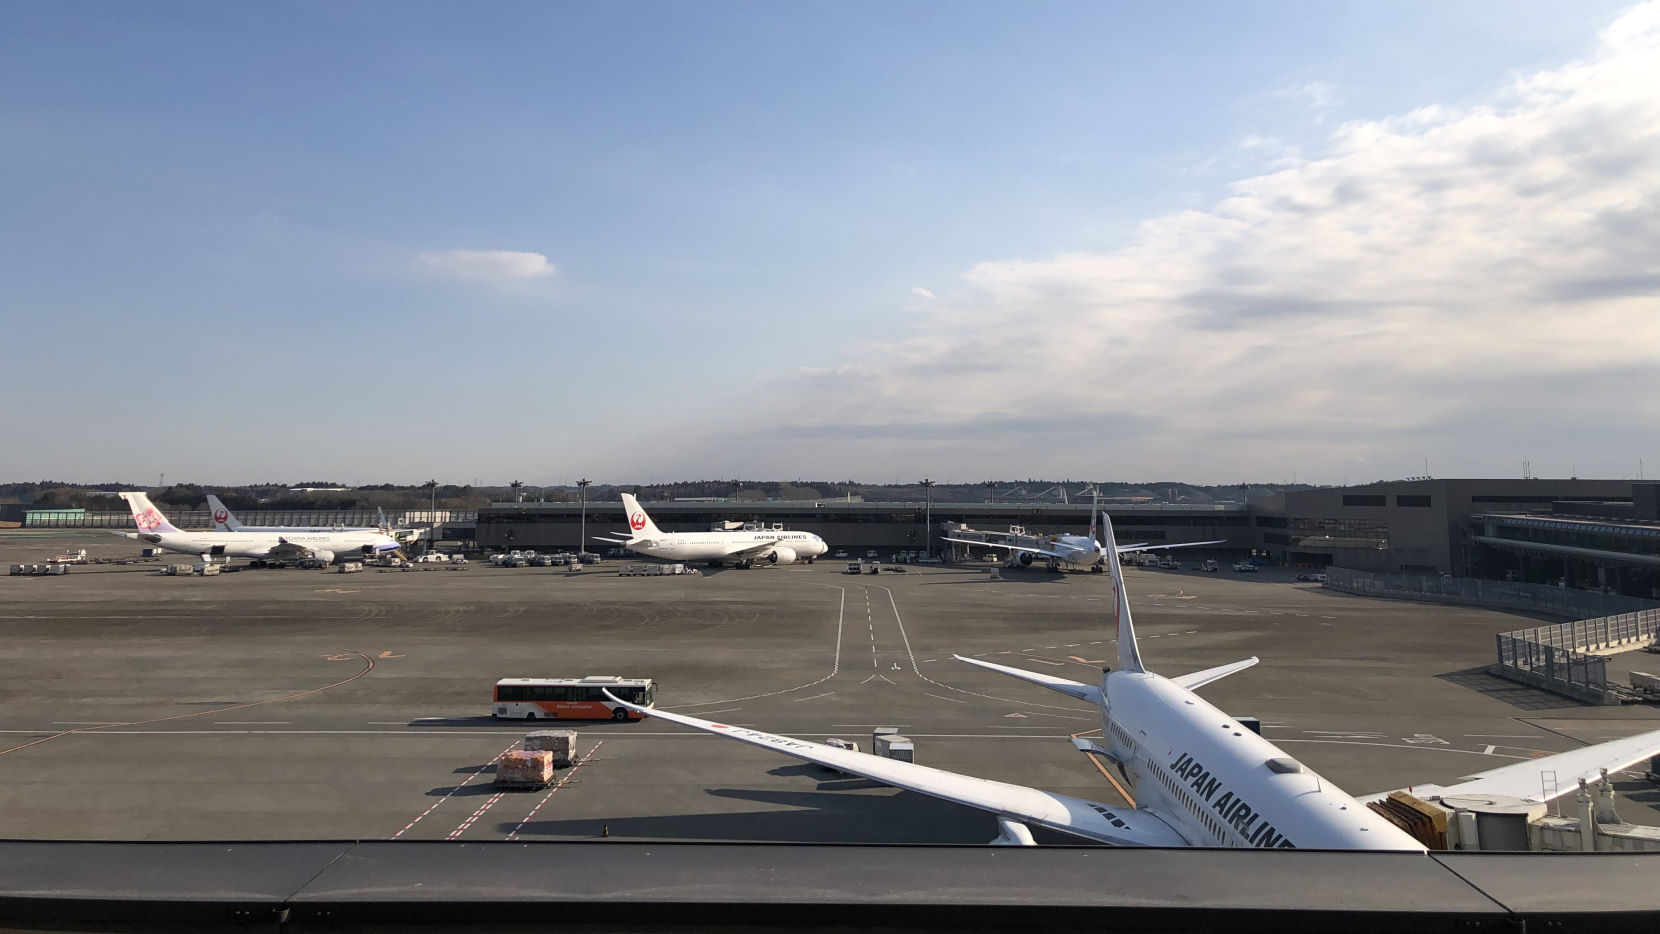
<point>739,547</point>
<point>225,521</point>
<point>1200,777</point>
<point>288,544</point>
<point>1075,551</point>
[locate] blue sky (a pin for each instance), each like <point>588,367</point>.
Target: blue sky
<point>665,240</point>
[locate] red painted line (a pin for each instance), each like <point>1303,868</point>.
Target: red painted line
<point>568,776</point>
<point>476,815</point>
<point>452,791</point>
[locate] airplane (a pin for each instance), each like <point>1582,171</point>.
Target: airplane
<point>1199,777</point>
<point>740,547</point>
<point>1074,551</point>
<point>225,521</point>
<point>288,544</point>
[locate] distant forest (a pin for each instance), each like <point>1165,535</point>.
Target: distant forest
<point>307,495</point>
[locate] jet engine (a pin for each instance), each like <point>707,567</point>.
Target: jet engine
<point>1023,558</point>
<point>782,555</point>
<point>323,555</point>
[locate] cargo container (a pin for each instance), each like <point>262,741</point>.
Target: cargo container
<point>524,769</point>
<point>560,743</point>
<point>894,746</point>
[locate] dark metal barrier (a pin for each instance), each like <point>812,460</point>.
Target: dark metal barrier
<point>414,886</point>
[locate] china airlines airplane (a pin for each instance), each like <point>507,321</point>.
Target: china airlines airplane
<point>1074,551</point>
<point>739,547</point>
<point>323,544</point>
<point>1200,777</point>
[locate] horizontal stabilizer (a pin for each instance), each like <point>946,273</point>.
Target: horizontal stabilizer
<point>1083,692</point>
<point>1200,678</point>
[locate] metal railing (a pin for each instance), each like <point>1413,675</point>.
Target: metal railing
<point>203,519</point>
<point>1554,657</point>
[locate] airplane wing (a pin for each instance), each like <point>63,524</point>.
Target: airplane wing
<point>1524,779</point>
<point>1200,678</point>
<point>1126,549</point>
<point>614,541</point>
<point>1092,821</point>
<point>1048,552</point>
<point>754,550</point>
<point>1083,692</point>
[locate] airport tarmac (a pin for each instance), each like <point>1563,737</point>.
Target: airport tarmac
<point>309,704</point>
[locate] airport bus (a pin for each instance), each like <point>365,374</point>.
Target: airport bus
<point>571,698</point>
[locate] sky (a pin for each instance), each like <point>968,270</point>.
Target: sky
<point>1212,242</point>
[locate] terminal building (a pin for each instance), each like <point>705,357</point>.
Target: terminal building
<point>1594,534</point>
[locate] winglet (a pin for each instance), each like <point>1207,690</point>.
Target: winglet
<point>1129,657</point>
<point>223,521</point>
<point>639,523</point>
<point>146,516</point>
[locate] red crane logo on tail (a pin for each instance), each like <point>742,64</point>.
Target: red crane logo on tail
<point>637,521</point>
<point>221,515</point>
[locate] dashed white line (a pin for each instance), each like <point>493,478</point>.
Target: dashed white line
<point>814,697</point>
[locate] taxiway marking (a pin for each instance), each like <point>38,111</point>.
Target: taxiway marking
<point>452,791</point>
<point>560,784</point>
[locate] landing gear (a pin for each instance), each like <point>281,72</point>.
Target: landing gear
<point>1096,569</point>
<point>744,565</point>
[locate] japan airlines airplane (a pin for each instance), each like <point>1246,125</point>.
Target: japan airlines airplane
<point>739,547</point>
<point>323,544</point>
<point>225,521</point>
<point>1200,777</point>
<point>1075,551</point>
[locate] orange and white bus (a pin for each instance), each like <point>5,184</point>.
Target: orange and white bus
<point>571,698</point>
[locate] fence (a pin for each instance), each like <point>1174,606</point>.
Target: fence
<point>1564,671</point>
<point>1552,657</point>
<point>1510,595</point>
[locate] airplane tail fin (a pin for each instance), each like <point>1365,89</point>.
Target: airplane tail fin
<point>223,521</point>
<point>146,516</point>
<point>1095,516</point>
<point>639,523</point>
<point>1129,656</point>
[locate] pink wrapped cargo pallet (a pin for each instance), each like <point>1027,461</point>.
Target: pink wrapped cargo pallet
<point>532,769</point>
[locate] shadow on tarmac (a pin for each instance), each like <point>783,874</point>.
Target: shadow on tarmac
<point>1520,696</point>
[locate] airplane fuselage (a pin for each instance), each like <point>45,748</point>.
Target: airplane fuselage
<point>719,546</point>
<point>1220,784</point>
<point>264,544</point>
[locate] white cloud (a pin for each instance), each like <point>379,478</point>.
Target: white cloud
<point>1318,95</point>
<point>1461,284</point>
<point>923,293</point>
<point>496,266</point>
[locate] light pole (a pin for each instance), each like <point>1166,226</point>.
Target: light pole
<point>432,508</point>
<point>582,490</point>
<point>927,518</point>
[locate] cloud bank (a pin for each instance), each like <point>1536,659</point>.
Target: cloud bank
<point>1466,285</point>
<point>495,266</point>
